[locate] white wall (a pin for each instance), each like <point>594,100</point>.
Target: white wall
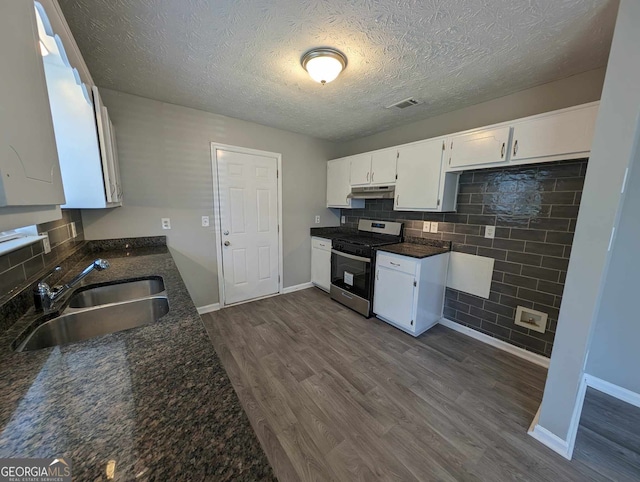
<point>165,164</point>
<point>614,355</point>
<point>578,89</point>
<point>611,153</point>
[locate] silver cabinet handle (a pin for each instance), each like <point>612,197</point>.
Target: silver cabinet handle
<point>372,174</point>
<point>227,243</point>
<point>397,199</point>
<point>515,148</point>
<point>394,264</point>
<point>368,173</point>
<point>502,150</point>
<point>378,275</point>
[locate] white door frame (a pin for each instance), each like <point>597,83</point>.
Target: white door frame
<point>218,221</point>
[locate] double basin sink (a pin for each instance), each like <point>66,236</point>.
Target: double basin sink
<point>99,310</point>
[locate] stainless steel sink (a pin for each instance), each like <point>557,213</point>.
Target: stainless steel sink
<point>84,324</point>
<point>116,292</point>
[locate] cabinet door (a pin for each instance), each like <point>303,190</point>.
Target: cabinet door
<point>338,187</point>
<point>29,168</point>
<point>383,167</point>
<point>321,268</point>
<point>560,134</point>
<point>393,297</point>
<point>481,147</point>
<point>360,169</point>
<point>419,170</point>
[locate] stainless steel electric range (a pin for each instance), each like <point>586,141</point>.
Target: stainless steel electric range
<point>353,260</point>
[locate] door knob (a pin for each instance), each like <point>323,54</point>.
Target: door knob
<point>227,243</point>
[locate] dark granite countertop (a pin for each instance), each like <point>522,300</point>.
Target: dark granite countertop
<point>155,399</point>
<point>332,232</point>
<point>414,250</point>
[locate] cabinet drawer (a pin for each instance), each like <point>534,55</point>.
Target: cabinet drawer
<point>406,265</point>
<point>321,243</point>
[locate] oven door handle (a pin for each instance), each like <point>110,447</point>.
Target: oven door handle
<point>351,256</point>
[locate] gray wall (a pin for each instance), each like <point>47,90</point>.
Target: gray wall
<point>611,153</point>
<point>579,89</point>
<point>165,163</point>
<point>614,355</point>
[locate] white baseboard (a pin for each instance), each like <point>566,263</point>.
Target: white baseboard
<point>502,345</point>
<point>291,289</point>
<point>614,390</point>
<point>551,440</point>
<point>208,308</point>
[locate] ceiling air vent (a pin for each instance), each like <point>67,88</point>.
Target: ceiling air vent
<point>403,104</point>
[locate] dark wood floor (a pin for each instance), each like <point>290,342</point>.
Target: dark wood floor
<point>609,437</point>
<point>334,396</point>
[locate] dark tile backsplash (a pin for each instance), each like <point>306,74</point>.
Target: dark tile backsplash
<point>20,268</point>
<point>534,209</point>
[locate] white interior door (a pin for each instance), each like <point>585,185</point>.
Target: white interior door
<point>248,203</point>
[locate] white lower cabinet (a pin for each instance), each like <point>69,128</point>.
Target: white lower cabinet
<point>321,262</point>
<point>409,292</point>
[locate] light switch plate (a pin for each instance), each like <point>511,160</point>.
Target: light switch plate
<point>205,221</point>
<point>317,219</point>
<point>490,232</point>
<point>166,223</point>
<point>74,232</point>
<point>434,227</point>
<point>426,227</point>
<point>45,243</point>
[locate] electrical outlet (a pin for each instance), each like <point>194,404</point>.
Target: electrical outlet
<point>426,227</point>
<point>205,221</point>
<point>434,227</point>
<point>343,220</point>
<point>317,219</point>
<point>74,233</point>
<point>166,223</point>
<point>490,232</point>
<point>45,243</point>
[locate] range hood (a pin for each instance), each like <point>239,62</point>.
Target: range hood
<point>372,192</point>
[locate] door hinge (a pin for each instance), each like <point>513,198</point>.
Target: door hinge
<point>411,322</point>
<point>438,202</point>
<point>415,283</point>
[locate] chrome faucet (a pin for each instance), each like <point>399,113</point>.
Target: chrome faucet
<point>44,296</point>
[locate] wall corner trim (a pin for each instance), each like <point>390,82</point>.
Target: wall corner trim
<point>613,390</point>
<point>551,440</point>
<point>208,308</point>
<point>502,345</point>
<point>302,286</point>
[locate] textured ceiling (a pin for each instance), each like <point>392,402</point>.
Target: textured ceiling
<point>241,58</point>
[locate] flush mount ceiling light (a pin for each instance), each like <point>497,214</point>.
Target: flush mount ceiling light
<point>324,64</point>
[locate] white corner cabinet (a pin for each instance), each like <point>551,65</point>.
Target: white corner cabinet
<point>409,292</point>
<point>553,136</point>
<point>422,184</point>
<point>29,168</point>
<point>321,262</point>
<point>339,186</point>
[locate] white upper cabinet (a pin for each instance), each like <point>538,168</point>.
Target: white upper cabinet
<point>360,170</point>
<point>485,146</point>
<point>83,131</point>
<point>374,169</point>
<point>564,135</point>
<point>418,183</point>
<point>29,168</point>
<point>383,167</point>
<point>338,186</point>
<point>422,184</point>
